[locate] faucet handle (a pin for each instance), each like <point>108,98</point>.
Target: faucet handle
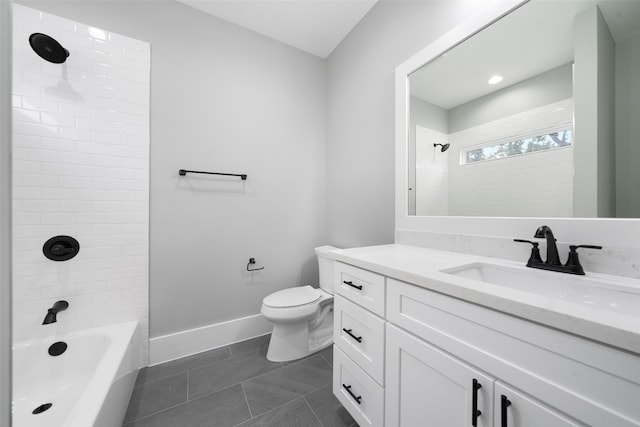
<point>573,261</point>
<point>535,251</point>
<point>573,248</point>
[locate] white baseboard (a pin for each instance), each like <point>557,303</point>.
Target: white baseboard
<point>180,344</point>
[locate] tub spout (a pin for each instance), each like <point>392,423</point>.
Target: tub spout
<point>52,313</point>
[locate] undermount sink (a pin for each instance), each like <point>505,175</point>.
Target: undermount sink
<point>600,294</point>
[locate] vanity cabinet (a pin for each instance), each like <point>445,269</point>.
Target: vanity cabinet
<point>425,383</point>
<point>448,362</point>
<point>358,336</point>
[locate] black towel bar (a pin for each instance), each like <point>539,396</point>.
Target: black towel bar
<point>183,172</point>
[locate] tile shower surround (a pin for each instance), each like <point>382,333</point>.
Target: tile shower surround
<point>80,168</point>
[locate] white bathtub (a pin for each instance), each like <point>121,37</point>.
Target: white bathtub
<point>88,385</point>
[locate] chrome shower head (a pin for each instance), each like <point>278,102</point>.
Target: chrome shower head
<point>443,147</point>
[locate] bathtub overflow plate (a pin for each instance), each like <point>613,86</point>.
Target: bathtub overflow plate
<point>57,348</point>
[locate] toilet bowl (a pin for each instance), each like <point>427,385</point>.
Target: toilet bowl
<point>302,316</point>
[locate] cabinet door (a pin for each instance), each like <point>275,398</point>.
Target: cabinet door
<point>515,409</point>
<point>428,387</point>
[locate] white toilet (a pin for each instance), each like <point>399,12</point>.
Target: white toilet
<point>302,316</point>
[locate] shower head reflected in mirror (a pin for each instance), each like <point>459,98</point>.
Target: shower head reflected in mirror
<point>444,147</point>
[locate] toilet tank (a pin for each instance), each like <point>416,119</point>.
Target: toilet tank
<point>325,265</point>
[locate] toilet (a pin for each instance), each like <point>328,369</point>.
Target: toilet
<point>302,316</point>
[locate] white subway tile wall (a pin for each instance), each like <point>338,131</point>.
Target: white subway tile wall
<point>80,168</point>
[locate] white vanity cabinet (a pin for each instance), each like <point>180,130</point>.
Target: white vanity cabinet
<point>548,377</point>
<point>448,363</point>
<point>358,336</point>
<point>425,383</point>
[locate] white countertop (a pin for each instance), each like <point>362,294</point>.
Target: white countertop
<point>422,267</point>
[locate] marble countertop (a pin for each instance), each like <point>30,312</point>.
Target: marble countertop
<point>423,267</point>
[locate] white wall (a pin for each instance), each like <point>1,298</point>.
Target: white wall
<point>531,185</point>
<point>426,116</point>
<point>431,186</point>
<point>5,213</point>
<point>627,128</point>
<point>80,168</point>
<point>360,113</point>
<point>223,99</point>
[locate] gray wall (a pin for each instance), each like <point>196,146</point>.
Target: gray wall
<point>360,114</point>
<point>5,213</point>
<point>229,100</point>
<point>545,88</point>
<point>628,128</point>
<point>594,183</point>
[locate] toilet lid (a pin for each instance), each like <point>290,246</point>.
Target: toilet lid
<point>292,297</point>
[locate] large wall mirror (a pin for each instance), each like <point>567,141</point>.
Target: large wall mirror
<point>537,115</point>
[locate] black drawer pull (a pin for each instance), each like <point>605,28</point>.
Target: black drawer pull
<point>474,405</point>
<point>504,404</point>
<point>350,283</point>
<point>348,331</point>
<point>358,399</point>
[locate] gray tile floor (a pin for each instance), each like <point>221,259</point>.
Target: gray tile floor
<point>237,386</point>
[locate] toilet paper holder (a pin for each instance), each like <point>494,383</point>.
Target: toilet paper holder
<point>252,261</point>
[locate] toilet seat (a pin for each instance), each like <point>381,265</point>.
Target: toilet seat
<point>292,297</point>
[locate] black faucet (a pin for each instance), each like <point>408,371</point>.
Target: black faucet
<point>553,259</point>
<point>53,312</point>
<point>544,232</point>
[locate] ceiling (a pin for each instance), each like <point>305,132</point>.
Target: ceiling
<point>314,26</point>
<point>535,38</point>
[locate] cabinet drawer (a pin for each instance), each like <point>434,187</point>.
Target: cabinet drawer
<point>360,334</point>
<point>360,286</point>
<point>357,391</point>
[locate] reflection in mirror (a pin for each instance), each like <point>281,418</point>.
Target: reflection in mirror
<point>527,106</point>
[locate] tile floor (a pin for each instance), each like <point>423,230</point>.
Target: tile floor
<point>237,386</point>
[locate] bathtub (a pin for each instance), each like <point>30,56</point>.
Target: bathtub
<point>88,385</point>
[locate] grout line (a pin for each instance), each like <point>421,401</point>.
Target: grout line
<point>270,410</point>
<point>312,411</point>
<point>181,372</point>
<point>183,403</point>
<point>246,401</point>
<point>155,413</point>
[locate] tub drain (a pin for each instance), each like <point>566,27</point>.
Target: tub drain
<point>40,409</point>
<point>56,349</point>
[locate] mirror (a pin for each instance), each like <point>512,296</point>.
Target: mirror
<point>554,133</point>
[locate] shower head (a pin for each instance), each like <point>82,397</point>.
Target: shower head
<point>48,48</point>
<point>444,147</point>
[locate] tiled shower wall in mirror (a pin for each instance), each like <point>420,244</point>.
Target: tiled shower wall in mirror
<point>80,168</point>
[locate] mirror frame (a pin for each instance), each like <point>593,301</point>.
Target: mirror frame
<point>618,232</point>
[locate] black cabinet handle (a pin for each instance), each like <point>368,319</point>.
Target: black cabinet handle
<point>358,399</point>
<point>348,331</point>
<point>474,408</point>
<point>350,283</point>
<point>504,404</point>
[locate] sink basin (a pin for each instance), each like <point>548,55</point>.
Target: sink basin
<point>611,295</point>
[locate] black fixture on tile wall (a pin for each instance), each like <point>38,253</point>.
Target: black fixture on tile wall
<point>48,48</point>
<point>61,248</point>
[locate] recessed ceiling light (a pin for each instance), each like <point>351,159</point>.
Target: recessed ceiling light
<point>495,80</point>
